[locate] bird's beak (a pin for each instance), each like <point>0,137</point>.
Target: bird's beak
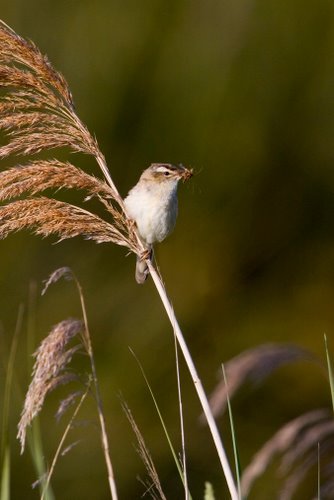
<point>186,174</point>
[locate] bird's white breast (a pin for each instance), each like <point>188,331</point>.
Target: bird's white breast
<point>154,208</point>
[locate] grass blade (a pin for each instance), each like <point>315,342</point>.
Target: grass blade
<point>330,371</point>
<point>36,450</point>
<point>44,495</point>
<point>5,476</point>
<point>234,440</point>
<point>177,463</point>
<point>319,475</point>
<point>179,393</point>
<point>9,383</point>
<point>34,437</point>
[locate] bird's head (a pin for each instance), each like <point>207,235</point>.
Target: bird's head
<point>166,172</point>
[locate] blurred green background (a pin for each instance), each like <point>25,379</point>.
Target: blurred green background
<point>243,92</point>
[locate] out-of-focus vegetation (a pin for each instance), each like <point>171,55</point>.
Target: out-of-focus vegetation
<point>242,92</point>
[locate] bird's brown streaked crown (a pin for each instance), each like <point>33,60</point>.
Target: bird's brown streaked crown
<point>166,171</point>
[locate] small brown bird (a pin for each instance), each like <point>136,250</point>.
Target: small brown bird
<point>152,204</point>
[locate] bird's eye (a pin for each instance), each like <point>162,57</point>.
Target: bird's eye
<point>166,173</point>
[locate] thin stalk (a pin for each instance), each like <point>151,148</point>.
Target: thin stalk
<point>36,451</point>
<point>68,427</point>
<point>196,380</point>
<point>5,476</point>
<point>319,476</point>
<point>35,441</point>
<point>9,383</point>
<point>104,435</point>
<point>103,166</point>
<point>234,439</point>
<point>183,445</point>
<point>176,460</point>
<point>330,371</point>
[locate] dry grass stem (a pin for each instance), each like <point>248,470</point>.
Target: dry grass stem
<point>66,403</point>
<point>196,381</point>
<point>154,489</point>
<point>104,436</point>
<point>183,443</point>
<point>52,359</point>
<point>62,441</point>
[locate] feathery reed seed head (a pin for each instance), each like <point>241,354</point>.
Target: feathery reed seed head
<point>52,357</point>
<point>37,114</point>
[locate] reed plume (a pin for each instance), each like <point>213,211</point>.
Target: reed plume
<point>37,114</point>
<point>253,365</point>
<point>52,368</point>
<point>49,372</point>
<point>37,176</point>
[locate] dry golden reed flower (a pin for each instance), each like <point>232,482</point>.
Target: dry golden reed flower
<point>37,176</point>
<point>39,97</point>
<point>52,358</point>
<point>47,216</point>
<point>37,114</point>
<point>26,53</point>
